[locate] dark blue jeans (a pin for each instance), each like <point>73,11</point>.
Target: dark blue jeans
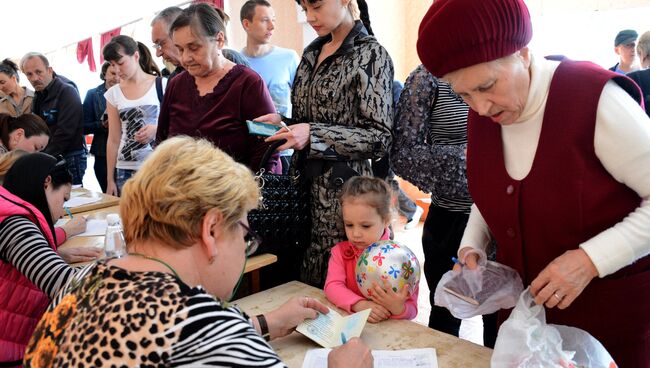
<point>122,176</point>
<point>76,162</point>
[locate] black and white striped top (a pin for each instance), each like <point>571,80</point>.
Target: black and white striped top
<point>430,138</point>
<point>23,245</point>
<point>114,317</point>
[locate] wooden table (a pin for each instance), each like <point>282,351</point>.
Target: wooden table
<point>106,200</point>
<point>387,335</point>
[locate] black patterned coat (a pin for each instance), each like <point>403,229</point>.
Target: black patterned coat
<point>348,103</point>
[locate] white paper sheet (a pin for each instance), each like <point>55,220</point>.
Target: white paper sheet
<point>95,227</point>
<point>411,358</point>
<point>81,201</point>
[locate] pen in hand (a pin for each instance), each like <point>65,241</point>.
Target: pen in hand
<point>67,210</point>
<point>285,126</point>
<point>343,339</point>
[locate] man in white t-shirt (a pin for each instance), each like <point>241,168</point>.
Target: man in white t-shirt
<point>276,65</point>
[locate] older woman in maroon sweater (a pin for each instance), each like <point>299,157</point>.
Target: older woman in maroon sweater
<point>214,97</point>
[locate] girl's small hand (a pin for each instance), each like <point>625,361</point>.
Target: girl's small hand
<point>377,313</point>
<point>389,299</point>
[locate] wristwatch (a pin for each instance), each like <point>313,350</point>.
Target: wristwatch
<point>264,327</point>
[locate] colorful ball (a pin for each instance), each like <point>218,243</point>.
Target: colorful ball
<point>387,260</point>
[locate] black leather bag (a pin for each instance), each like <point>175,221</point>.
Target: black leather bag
<point>283,218</point>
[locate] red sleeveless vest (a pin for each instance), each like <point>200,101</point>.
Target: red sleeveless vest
<point>21,303</point>
<point>567,198</point>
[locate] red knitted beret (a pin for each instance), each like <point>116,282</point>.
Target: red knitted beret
<point>455,34</point>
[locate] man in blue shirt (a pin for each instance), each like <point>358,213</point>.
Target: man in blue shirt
<point>276,65</point>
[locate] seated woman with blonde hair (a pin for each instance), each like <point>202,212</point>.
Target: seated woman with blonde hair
<point>165,303</point>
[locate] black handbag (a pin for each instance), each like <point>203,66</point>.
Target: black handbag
<point>283,218</point>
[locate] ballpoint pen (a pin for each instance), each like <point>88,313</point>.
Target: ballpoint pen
<point>343,339</point>
<point>284,125</point>
<point>67,210</point>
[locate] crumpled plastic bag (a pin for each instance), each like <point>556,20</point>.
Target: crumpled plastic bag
<point>484,290</point>
<point>525,340</point>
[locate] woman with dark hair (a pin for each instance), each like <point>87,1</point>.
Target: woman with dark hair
<point>214,97</point>
<point>96,120</point>
<point>133,107</point>
<point>342,116</point>
<point>26,132</point>
<point>14,99</point>
<point>31,272</point>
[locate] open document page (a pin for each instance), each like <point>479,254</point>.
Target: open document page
<point>412,358</point>
<point>331,329</point>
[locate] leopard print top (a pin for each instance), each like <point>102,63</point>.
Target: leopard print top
<point>109,317</point>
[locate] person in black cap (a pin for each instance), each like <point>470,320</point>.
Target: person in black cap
<point>624,46</point>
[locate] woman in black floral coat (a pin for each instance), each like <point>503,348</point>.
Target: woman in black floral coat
<point>342,116</point>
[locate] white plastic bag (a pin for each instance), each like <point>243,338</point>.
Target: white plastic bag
<point>484,290</point>
<point>526,341</point>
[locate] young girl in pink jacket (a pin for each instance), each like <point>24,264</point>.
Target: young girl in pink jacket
<point>366,205</point>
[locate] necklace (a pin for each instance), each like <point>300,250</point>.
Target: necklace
<point>156,260</point>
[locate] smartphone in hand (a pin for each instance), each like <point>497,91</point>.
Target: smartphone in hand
<point>261,129</point>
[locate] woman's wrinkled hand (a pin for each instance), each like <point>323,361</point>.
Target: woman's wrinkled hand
<point>353,354</point>
<point>274,119</point>
<point>79,254</point>
<point>288,316</point>
<point>562,280</point>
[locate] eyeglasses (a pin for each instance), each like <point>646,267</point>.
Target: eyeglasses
<point>252,239</point>
<point>158,46</point>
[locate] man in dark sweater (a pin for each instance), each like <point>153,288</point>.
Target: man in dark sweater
<point>57,102</point>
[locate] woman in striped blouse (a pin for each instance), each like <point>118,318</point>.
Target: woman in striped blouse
<point>430,140</point>
<point>165,302</point>
<point>31,272</point>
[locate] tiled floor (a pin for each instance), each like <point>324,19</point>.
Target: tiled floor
<point>470,329</point>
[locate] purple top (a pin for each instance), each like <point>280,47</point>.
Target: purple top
<point>219,116</point>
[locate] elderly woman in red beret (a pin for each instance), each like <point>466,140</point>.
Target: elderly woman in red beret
<point>558,165</point>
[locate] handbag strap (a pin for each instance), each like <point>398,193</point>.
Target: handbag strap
<point>269,152</point>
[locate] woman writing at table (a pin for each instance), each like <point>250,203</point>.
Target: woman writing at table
<point>165,303</point>
<point>31,272</point>
<point>558,165</point>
